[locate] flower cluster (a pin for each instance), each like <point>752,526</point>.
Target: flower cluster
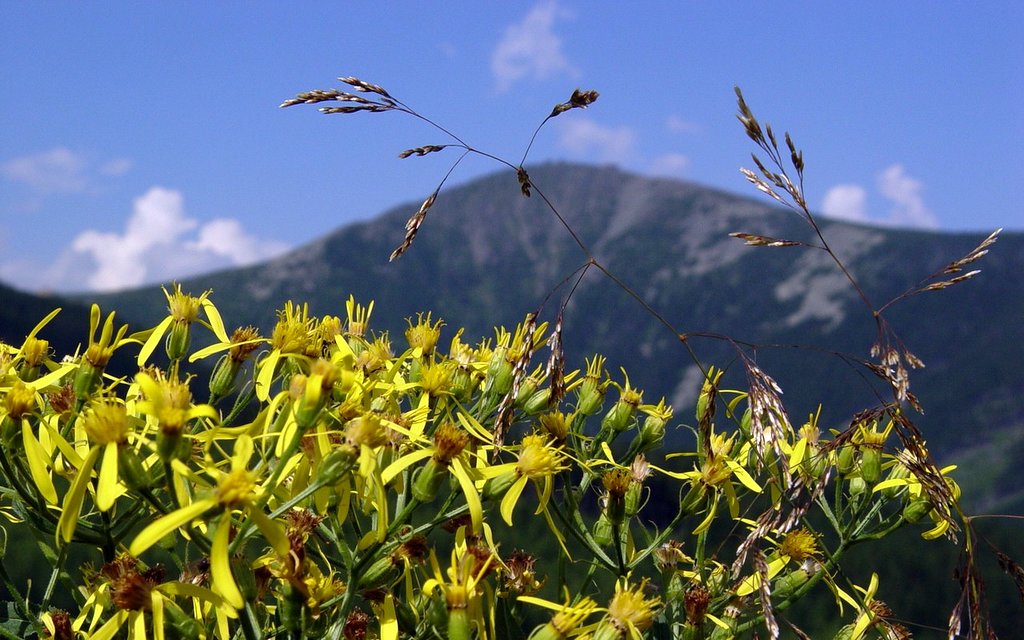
<point>310,495</point>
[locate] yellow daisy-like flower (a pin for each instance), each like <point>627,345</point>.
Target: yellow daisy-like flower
<point>629,612</point>
<point>567,620</point>
<point>236,490</point>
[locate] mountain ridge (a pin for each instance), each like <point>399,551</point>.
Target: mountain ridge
<point>486,255</point>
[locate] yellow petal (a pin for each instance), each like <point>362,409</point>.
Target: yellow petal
<point>744,477</point>
<point>266,375</point>
<point>168,523</point>
<point>508,503</point>
<point>403,463</point>
<point>797,456</point>
<point>38,461</point>
<point>106,491</point>
<point>157,607</point>
<point>153,340</point>
<point>476,510</point>
<point>220,565</point>
<point>389,621</point>
<point>216,323</point>
<point>72,508</point>
<point>272,531</point>
<point>110,629</point>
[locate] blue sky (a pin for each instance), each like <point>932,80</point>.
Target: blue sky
<point>143,141</point>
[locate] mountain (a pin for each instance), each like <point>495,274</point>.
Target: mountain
<point>486,255</point>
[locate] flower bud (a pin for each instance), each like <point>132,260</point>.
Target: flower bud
<point>222,380</point>
<point>131,470</point>
<point>499,377</point>
<point>871,464</point>
<point>846,459</point>
<point>335,466</point>
<point>603,530</point>
<point>87,380</point>
<point>428,480</point>
<point>916,509</point>
<point>787,584</point>
<point>497,487</point>
<point>178,340</point>
<point>898,471</point>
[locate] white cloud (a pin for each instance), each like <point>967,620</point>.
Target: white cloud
<point>908,208</point>
<point>676,124</point>
<point>582,136</point>
<point>846,202</point>
<point>226,237</point>
<point>54,171</point>
<point>156,244</point>
<point>903,192</point>
<point>672,165</point>
<point>531,48</point>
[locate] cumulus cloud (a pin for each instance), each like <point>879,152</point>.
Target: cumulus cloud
<point>671,165</point>
<point>157,243</point>
<point>903,193</point>
<point>531,48</point>
<point>584,137</point>
<point>54,171</point>
<point>846,202</point>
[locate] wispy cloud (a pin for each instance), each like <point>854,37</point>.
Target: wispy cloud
<point>159,241</point>
<point>59,171</point>
<point>903,193</point>
<point>677,124</point>
<point>55,171</point>
<point>531,48</point>
<point>670,165</point>
<point>589,140</point>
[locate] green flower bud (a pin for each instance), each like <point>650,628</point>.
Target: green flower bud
<point>462,384</point>
<point>846,459</point>
<point>498,379</point>
<point>857,486</point>
<point>537,403</point>
<point>871,464</point>
<point>131,470</point>
<point>787,584</point>
<point>382,573</point>
<point>335,466</point>
<point>633,498</point>
<point>590,397</point>
<point>428,480</point>
<point>178,340</point>
<point>87,380</point>
<point>222,381</point>
<point>916,509</point>
<point>652,432</point>
<point>618,417</point>
<point>602,531</point>
<point>497,487</point>
<point>897,472</point>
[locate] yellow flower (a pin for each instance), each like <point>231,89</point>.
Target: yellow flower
<point>567,619</point>
<point>423,335</point>
<point>629,613</point>
<point>236,489</point>
<point>183,310</point>
<point>108,426</point>
<point>461,590</point>
<point>139,599</point>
